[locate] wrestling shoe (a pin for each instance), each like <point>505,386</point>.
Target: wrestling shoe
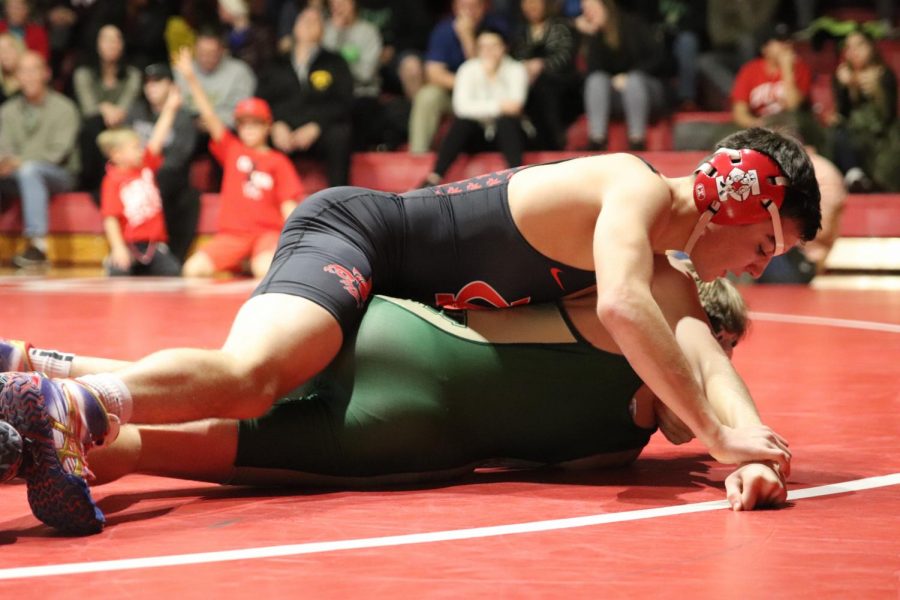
<point>57,436</point>
<point>14,356</point>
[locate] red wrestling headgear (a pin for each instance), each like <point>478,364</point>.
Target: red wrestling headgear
<point>739,187</point>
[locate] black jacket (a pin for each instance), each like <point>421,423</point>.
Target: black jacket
<point>325,98</point>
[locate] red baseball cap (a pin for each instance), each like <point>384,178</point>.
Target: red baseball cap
<point>254,108</point>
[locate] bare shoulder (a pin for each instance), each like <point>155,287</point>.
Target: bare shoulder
<point>591,178</point>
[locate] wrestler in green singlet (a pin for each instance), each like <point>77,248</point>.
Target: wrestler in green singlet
<point>418,391</point>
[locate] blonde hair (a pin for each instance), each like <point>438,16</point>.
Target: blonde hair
<point>111,139</point>
<point>724,306</point>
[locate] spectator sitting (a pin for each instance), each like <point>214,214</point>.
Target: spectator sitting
<point>546,46</point>
<point>311,94</point>
<point>130,202</point>
<point>488,98</point>
<point>404,26</point>
<point>359,43</point>
<point>260,186</point>
<point>247,40</point>
<point>105,89</point>
<point>866,137</point>
<point>11,49</point>
<point>623,60</point>
<point>180,200</point>
<point>732,27</point>
<point>18,22</point>
<point>38,151</point>
<point>773,90</point>
<point>451,43</point>
<point>682,25</point>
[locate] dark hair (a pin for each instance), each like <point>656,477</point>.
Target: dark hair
<point>802,198</point>
<point>92,60</point>
<point>876,58</point>
<point>491,29</point>
<point>212,30</point>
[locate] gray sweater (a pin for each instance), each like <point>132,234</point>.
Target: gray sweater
<point>45,132</point>
<point>230,83</point>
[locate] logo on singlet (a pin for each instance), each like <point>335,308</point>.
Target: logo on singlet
<point>473,291</point>
<point>554,272</point>
<point>356,285</point>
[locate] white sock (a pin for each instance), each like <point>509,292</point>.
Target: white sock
<point>113,392</point>
<point>52,362</point>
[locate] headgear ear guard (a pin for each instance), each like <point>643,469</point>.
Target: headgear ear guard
<point>738,187</point>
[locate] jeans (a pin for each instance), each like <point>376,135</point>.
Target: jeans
<point>639,101</point>
<point>36,182</point>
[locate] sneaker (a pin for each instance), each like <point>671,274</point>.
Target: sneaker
<point>12,449</point>
<point>14,356</point>
<point>57,436</point>
<point>32,257</point>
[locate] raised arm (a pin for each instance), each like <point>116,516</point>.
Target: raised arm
<point>184,64</point>
<point>163,125</point>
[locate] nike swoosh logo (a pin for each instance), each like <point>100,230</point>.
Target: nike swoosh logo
<point>555,273</point>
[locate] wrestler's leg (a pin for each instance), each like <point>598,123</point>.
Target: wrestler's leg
<point>277,342</point>
<point>201,450</point>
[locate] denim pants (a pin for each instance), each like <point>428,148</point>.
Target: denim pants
<point>35,181</point>
<point>641,99</point>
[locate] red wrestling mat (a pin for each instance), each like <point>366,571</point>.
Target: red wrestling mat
<point>822,365</point>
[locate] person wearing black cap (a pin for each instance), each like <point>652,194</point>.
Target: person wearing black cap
<point>181,201</point>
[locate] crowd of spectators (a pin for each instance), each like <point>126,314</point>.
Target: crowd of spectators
<point>455,76</point>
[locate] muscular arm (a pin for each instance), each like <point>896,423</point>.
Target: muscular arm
<point>623,258</point>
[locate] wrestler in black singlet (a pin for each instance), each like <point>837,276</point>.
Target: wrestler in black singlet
<point>451,245</point>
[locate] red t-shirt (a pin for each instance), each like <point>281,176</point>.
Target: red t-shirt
<point>254,185</point>
<point>130,194</point>
<point>763,90</point>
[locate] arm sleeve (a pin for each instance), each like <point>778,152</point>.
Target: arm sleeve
<point>803,78</point>
<point>219,149</point>
<point>740,91</point>
<point>518,81</point>
<point>83,83</point>
<point>369,54</point>
<point>152,160</point>
<point>110,203</point>
<point>7,141</point>
<point>131,90</point>
<point>561,47</point>
<point>287,181</point>
<point>469,99</point>
<point>184,138</point>
<point>64,134</point>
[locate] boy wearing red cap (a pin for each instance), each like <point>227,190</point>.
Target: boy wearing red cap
<point>260,186</point>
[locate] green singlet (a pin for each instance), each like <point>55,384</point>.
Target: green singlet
<point>418,391</point>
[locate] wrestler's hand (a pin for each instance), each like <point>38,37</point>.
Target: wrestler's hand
<point>755,485</point>
<point>671,426</point>
<point>736,445</point>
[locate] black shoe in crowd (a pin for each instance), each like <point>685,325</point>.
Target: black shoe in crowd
<point>31,257</point>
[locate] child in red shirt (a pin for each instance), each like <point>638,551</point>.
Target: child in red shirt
<point>130,202</point>
<point>260,186</point>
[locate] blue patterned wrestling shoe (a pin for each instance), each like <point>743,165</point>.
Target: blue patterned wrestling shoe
<point>57,436</point>
<point>14,356</point>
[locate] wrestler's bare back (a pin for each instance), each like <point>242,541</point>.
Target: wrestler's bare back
<point>556,206</point>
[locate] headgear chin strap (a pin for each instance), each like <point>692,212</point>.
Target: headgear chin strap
<point>738,187</point>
